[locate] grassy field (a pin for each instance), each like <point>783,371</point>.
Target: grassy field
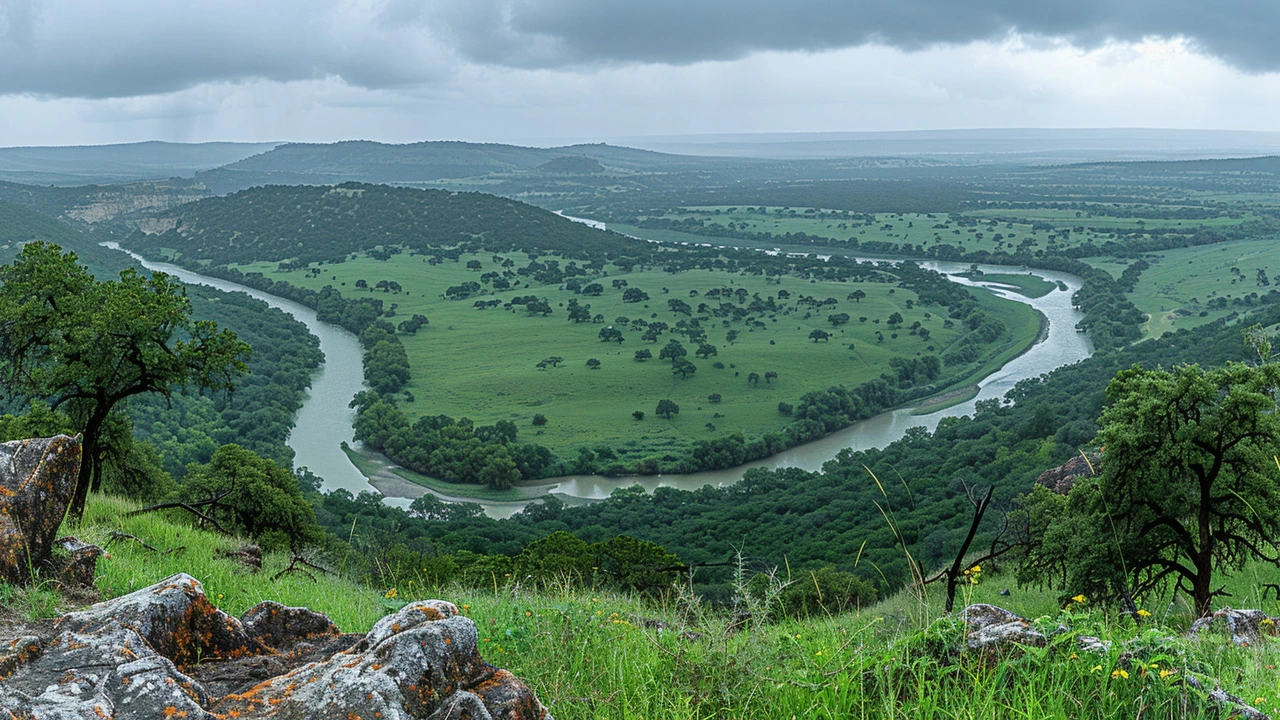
<point>1006,229</point>
<point>1199,280</point>
<point>483,363</point>
<point>591,654</point>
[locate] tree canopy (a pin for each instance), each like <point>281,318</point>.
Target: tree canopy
<point>1189,486</point>
<point>84,346</point>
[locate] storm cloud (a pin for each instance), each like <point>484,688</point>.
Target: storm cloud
<point>127,48</point>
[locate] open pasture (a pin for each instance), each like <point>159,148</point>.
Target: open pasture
<point>487,364</point>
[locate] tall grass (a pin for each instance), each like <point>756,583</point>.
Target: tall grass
<point>603,655</point>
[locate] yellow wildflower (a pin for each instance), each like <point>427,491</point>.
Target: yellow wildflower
<point>1095,668</point>
<point>1165,673</point>
<point>1079,599</point>
<point>391,593</point>
<point>1118,673</point>
<point>1142,613</point>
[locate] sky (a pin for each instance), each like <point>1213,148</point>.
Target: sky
<point>103,71</point>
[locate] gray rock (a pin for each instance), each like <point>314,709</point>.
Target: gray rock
<point>175,618</point>
<point>109,673</point>
<point>1246,627</point>
<point>281,627</point>
<point>116,661</point>
<point>421,662</point>
<point>37,480</point>
<point>993,628</point>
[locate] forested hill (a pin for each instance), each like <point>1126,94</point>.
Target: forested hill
<point>310,224</point>
<point>307,163</point>
<point>20,225</point>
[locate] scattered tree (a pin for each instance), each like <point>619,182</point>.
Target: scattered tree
<point>666,409</point>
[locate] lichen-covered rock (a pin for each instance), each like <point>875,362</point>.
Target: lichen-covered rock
<point>422,662</point>
<point>37,480</point>
<point>109,673</point>
<point>116,661</point>
<point>993,628</point>
<point>248,555</point>
<point>1246,627</point>
<point>1061,479</point>
<point>281,627</point>
<point>77,566</point>
<point>175,618</point>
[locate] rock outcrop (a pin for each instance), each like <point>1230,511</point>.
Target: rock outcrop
<point>166,651</point>
<point>37,480</point>
<point>992,628</point>
<point>1061,479</point>
<point>1246,627</point>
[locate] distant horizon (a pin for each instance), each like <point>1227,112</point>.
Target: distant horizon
<point>744,136</point>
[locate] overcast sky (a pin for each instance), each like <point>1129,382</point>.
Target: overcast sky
<point>97,71</point>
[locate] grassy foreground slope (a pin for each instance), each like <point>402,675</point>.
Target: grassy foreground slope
<point>595,655</point>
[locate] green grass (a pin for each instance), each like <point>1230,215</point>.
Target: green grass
<point>1013,226</point>
<point>229,584</point>
<point>482,364</point>
<point>1191,278</point>
<point>1028,285</point>
<point>591,654</point>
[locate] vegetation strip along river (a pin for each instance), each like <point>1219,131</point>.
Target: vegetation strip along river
<point>324,421</point>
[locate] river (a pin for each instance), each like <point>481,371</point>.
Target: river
<point>325,418</point>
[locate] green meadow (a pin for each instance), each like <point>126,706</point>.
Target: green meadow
<point>484,363</point>
<point>990,230</point>
<point>1192,286</point>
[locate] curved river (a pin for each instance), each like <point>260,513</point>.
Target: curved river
<point>325,418</point>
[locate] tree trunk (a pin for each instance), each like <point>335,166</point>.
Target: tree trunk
<point>90,460</point>
<point>1202,591</point>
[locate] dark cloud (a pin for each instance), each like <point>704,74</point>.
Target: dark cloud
<point>123,48</point>
<point>1241,32</point>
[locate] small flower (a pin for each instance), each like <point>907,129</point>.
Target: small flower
<point>1165,673</point>
<point>1143,613</point>
<point>392,593</point>
<point>1095,668</point>
<point>1118,673</point>
<point>528,613</point>
<point>1259,700</point>
<point>1074,657</point>
<point>1079,599</point>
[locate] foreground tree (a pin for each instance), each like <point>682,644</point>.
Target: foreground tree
<point>1189,487</point>
<point>85,346</point>
<point>256,497</point>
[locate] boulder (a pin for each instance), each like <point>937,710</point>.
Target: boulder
<point>165,651</point>
<point>282,628</point>
<point>1061,479</point>
<point>421,662</point>
<point>1246,627</point>
<point>37,481</point>
<point>108,673</point>
<point>992,628</point>
<point>175,618</point>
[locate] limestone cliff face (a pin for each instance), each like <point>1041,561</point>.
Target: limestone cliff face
<point>111,203</point>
